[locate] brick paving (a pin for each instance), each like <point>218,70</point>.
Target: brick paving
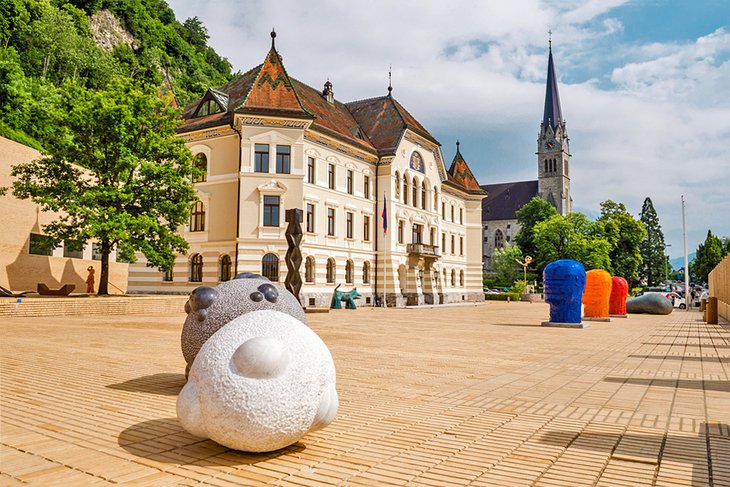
<point>478,395</point>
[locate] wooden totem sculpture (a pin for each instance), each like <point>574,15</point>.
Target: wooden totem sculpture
<point>293,255</point>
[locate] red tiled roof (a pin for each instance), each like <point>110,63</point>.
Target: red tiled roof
<point>273,89</point>
<point>504,199</point>
<point>460,174</point>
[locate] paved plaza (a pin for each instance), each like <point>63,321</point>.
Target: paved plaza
<point>474,395</point>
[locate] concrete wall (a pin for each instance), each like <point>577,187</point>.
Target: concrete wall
<point>22,271</point>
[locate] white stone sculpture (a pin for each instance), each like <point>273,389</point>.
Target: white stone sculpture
<point>259,383</point>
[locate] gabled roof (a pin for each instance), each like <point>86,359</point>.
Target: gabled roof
<point>552,115</point>
<point>504,199</point>
<point>384,120</point>
<point>460,174</point>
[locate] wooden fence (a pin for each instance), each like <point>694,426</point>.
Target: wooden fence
<point>719,281</point>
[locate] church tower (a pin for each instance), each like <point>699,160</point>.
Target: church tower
<point>553,148</point>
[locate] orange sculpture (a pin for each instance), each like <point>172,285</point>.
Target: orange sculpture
<point>90,280</point>
<point>619,292</point>
<point>597,293</point>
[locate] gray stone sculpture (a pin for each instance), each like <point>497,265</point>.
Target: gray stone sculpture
<point>210,308</point>
<point>655,304</point>
<point>260,383</point>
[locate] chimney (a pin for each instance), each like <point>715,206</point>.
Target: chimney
<point>327,93</point>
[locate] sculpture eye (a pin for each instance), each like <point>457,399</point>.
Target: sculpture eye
<point>256,296</point>
<point>202,297</point>
<point>270,292</point>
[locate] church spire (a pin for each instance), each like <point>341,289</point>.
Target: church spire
<point>553,115</point>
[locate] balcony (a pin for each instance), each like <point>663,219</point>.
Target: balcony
<point>423,250</point>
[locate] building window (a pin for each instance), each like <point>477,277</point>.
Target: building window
<point>40,244</point>
<point>310,218</point>
<point>310,170</point>
<point>400,231</point>
<point>366,228</point>
<point>366,273</point>
<point>498,239</point>
<point>453,247</point>
<point>423,196</point>
<point>224,268</point>
<point>197,217</point>
<point>348,224</point>
<point>435,199</point>
<point>366,186</point>
<point>261,158</point>
<point>461,216</point>
<point>196,268</point>
<point>330,271</point>
<point>167,275</point>
<point>349,181</point>
<point>331,176</point>
<point>283,159</point>
<point>405,190</point>
<point>414,199</point>
<point>443,243</point>
<point>208,107</point>
<point>271,211</point>
<point>417,235</point>
<point>270,267</point>
<point>95,251</point>
<point>443,210</point>
<point>71,251</point>
<point>453,278</point>
<point>200,162</point>
<point>452,213</point>
<point>309,269</point>
<point>461,278</point>
<point>331,222</point>
<point>461,245</point>
<point>432,236</point>
<point>349,272</point>
<point>397,185</point>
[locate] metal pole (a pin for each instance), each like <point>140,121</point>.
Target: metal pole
<point>386,264</point>
<point>687,297</point>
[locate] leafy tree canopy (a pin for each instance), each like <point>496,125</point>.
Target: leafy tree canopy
<point>709,254</point>
<point>505,266</point>
<point>533,212</point>
<point>572,237</point>
<point>625,235</point>
<point>132,186</point>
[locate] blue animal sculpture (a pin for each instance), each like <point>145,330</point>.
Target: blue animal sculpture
<point>348,297</point>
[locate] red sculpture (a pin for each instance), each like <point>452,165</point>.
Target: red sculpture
<point>619,292</point>
<point>595,297</point>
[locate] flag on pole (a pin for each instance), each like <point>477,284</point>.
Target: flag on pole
<point>385,215</point>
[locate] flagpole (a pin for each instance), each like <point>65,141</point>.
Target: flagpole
<point>687,295</point>
<point>387,264</point>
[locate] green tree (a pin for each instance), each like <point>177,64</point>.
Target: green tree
<point>505,266</point>
<point>131,188</point>
<point>709,254</point>
<point>533,212</point>
<point>572,237</point>
<point>652,248</point>
<point>625,235</point>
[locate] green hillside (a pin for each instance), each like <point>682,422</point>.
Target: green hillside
<point>46,46</point>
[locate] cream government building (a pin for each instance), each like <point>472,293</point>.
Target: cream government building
<point>269,143</point>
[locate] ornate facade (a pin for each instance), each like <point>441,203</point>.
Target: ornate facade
<point>268,143</point>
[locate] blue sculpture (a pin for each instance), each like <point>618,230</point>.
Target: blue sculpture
<point>348,297</point>
<point>565,282</point>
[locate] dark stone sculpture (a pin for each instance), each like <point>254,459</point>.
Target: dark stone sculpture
<point>210,308</point>
<point>650,303</point>
<point>565,282</point>
<point>293,255</point>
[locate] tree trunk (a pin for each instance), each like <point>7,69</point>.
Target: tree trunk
<point>104,278</point>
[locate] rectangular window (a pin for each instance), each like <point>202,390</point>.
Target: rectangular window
<point>443,210</point>
<point>400,231</point>
<point>197,217</point>
<point>349,224</point>
<point>366,228</point>
<point>310,217</point>
<point>366,187</point>
<point>167,275</point>
<point>453,246</point>
<point>461,216</point>
<point>417,236</point>
<point>261,158</point>
<point>271,211</point>
<point>443,243</point>
<point>310,170</point>
<point>283,159</point>
<point>331,176</point>
<point>461,245</point>
<point>70,251</point>
<point>40,244</point>
<point>331,221</point>
<point>350,177</point>
<point>452,213</point>
<point>432,237</point>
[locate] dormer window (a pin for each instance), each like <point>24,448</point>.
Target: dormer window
<point>208,107</point>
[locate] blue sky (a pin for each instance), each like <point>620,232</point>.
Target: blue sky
<point>644,85</point>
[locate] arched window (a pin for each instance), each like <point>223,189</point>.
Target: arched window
<point>435,198</point>
<point>366,273</point>
<point>224,268</point>
<point>349,272</point>
<point>270,267</point>
<point>330,271</point>
<point>405,190</point>
<point>309,269</point>
<point>196,268</point>
<point>423,196</point>
<point>201,163</point>
<point>414,200</point>
<point>397,185</point>
<point>498,239</point>
<point>461,278</point>
<point>453,278</point>
<point>197,217</point>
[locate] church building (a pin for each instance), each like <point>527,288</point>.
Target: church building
<point>268,143</point>
<point>499,209</point>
